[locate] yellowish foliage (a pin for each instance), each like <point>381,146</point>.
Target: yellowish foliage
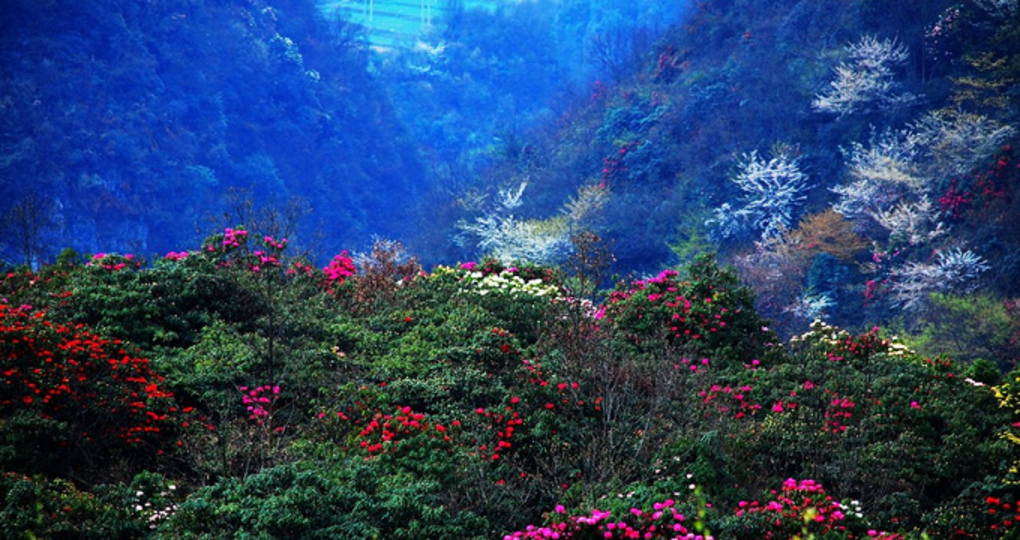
<point>986,89</point>
<point>831,233</point>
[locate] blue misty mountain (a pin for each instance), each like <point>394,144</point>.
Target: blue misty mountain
<point>129,121</point>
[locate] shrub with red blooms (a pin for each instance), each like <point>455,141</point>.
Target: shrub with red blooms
<point>394,434</point>
<point>802,509</point>
<point>102,393</point>
<point>708,309</point>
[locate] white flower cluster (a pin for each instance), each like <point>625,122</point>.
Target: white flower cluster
<point>953,271</point>
<point>854,509</point>
<point>507,282</point>
<point>821,332</point>
<point>156,515</point>
<point>772,191</point>
<point>866,83</point>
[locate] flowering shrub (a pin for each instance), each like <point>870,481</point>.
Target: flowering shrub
<point>802,509</point>
<point>114,262</point>
<point>104,394</point>
<point>772,190</point>
<point>662,521</point>
<point>37,507</point>
<point>393,433</point>
<point>708,310</point>
<point>840,345</point>
<point>866,82</point>
<point>338,270</point>
<point>259,401</point>
<point>728,400</point>
<point>508,282</point>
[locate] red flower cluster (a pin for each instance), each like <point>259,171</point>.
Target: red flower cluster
<point>389,433</point>
<point>503,426</point>
<point>69,374</point>
<point>1009,514</point>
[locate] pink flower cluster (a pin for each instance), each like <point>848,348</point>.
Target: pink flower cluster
<point>277,245</point>
<point>839,411</point>
<point>233,237</point>
<point>176,256</point>
<point>257,399</point>
<point>727,399</point>
<point>340,268</point>
<point>112,262</point>
<point>265,260</point>
<point>663,522</point>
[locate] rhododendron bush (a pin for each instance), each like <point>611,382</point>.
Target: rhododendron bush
<point>479,400</point>
<point>102,396</point>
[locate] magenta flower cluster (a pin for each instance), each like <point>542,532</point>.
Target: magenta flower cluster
<point>800,505</point>
<point>113,262</point>
<point>661,303</point>
<point>233,237</point>
<point>176,255</point>
<point>663,522</point>
<point>258,399</point>
<point>340,268</point>
<point>269,258</point>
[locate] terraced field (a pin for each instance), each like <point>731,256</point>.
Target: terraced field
<point>396,24</point>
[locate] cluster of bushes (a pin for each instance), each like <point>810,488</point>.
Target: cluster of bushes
<point>235,391</point>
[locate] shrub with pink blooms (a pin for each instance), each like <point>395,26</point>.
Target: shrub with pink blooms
<point>663,520</point>
<point>707,310</point>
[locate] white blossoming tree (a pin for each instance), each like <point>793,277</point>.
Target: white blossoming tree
<point>866,81</point>
<point>772,191</point>
<point>953,271</point>
<point>502,235</point>
<point>880,176</point>
<point>954,142</point>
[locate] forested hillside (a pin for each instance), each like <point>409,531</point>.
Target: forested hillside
<point>125,124</point>
<point>850,158</point>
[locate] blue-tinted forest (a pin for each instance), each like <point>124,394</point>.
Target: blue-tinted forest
<point>385,269</point>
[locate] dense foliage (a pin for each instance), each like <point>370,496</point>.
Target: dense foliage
<point>257,395</point>
<point>124,124</point>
